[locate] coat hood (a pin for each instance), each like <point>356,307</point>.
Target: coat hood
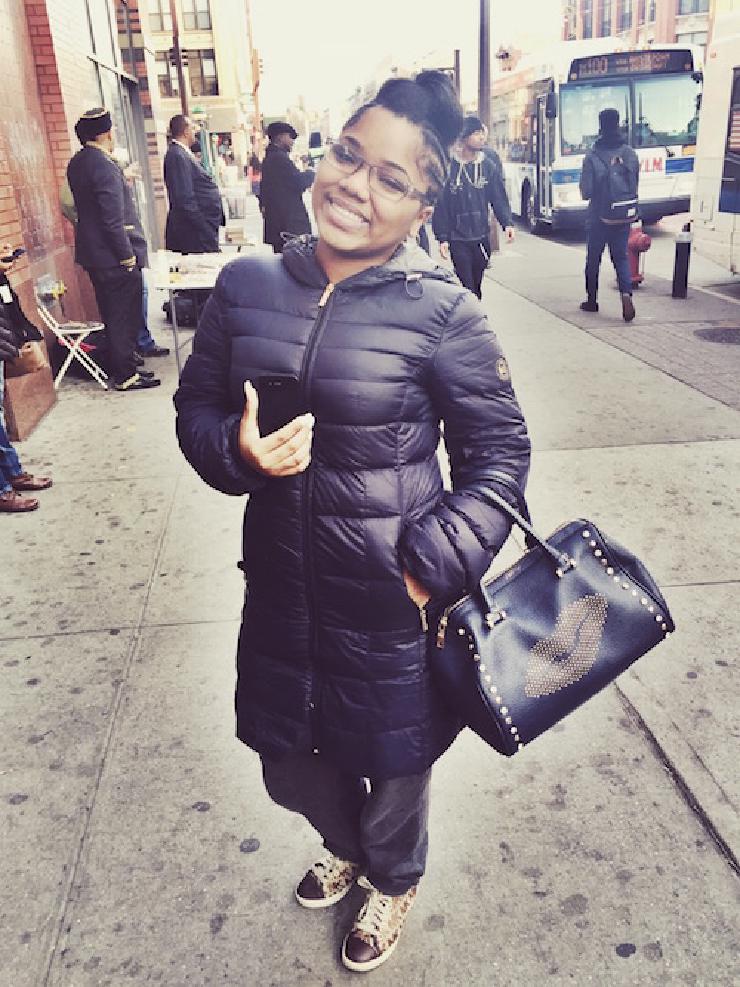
<point>409,263</point>
<point>609,141</point>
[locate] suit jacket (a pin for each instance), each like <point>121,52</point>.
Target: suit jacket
<point>195,204</point>
<point>281,196</point>
<point>108,227</point>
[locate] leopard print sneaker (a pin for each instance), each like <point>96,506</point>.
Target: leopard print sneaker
<point>326,882</point>
<point>377,928</point>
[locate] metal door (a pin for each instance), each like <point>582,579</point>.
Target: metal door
<point>544,134</point>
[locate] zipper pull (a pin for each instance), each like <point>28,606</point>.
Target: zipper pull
<point>442,630</point>
<point>424,619</point>
<point>325,296</point>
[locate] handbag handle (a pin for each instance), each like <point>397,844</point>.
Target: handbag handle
<point>522,519</point>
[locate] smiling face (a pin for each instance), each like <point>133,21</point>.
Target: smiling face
<point>356,224</point>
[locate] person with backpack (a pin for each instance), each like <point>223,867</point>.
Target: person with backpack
<point>609,181</point>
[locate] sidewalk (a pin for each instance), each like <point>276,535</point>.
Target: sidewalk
<point>139,846</point>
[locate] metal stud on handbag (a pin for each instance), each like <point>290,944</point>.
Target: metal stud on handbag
<point>538,640</point>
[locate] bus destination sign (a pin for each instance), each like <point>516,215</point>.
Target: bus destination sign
<point>650,62</point>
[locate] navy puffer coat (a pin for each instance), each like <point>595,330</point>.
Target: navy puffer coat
<point>332,652</point>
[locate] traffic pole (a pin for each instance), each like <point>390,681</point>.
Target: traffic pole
<point>177,54</point>
<point>484,64</point>
<point>681,263</point>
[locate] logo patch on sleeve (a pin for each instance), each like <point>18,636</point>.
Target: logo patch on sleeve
<point>502,369</point>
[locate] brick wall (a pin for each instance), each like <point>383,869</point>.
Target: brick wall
<point>32,136</point>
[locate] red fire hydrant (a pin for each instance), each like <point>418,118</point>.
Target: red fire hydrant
<point>637,243</point>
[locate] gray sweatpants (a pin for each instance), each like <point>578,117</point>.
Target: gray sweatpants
<point>384,830</point>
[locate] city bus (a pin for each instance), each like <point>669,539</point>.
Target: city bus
<point>715,205</point>
<point>545,116</point>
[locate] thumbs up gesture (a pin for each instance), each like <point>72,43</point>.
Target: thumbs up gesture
<point>282,453</point>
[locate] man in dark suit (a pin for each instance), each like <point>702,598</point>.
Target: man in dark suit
<point>110,245</point>
<point>282,188</point>
<point>195,200</point>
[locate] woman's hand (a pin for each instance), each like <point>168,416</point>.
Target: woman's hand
<point>416,591</point>
<point>282,453</point>
<point>444,249</point>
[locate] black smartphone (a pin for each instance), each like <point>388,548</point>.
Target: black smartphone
<point>9,258</point>
<point>280,401</point>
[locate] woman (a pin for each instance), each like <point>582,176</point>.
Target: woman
<point>350,544</point>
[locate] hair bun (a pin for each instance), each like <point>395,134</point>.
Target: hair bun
<point>444,115</point>
<point>429,99</point>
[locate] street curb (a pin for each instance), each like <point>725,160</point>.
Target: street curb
<point>703,794</point>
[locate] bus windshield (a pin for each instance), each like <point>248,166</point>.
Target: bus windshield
<point>666,111</point>
<point>580,106</point>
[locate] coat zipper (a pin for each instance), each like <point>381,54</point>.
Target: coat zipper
<point>307,478</point>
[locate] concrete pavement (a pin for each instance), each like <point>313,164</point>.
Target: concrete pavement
<point>139,846</point>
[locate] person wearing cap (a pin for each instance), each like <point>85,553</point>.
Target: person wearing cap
<point>282,188</point>
<point>461,220</point>
<point>110,245</point>
<point>195,212</point>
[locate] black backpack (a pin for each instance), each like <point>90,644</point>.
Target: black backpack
<point>618,186</point>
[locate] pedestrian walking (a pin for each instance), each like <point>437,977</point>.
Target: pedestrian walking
<point>281,188</point>
<point>15,330</point>
<point>195,212</point>
<point>461,220</point>
<point>110,245</point>
<point>351,546</point>
<point>609,180</point>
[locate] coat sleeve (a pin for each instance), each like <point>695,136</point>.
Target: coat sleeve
<point>497,196</point>
<point>207,427</point>
<point>290,177</point>
<point>587,181</point>
<point>178,176</point>
<point>449,549</point>
<point>107,189</point>
<point>441,219</point>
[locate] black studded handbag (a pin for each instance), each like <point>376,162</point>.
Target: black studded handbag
<point>535,642</point>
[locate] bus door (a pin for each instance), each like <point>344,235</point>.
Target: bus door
<point>545,143</point>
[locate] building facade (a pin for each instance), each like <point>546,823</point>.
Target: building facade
<point>639,22</point>
<point>214,36</point>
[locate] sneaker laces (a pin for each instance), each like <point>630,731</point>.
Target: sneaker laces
<point>376,911</point>
<point>328,867</point>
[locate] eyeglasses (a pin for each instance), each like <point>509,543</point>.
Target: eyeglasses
<point>386,182</point>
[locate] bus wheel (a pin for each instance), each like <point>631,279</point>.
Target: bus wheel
<point>529,210</point>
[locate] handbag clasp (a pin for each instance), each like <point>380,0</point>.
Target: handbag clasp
<point>566,564</point>
<point>494,617</point>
